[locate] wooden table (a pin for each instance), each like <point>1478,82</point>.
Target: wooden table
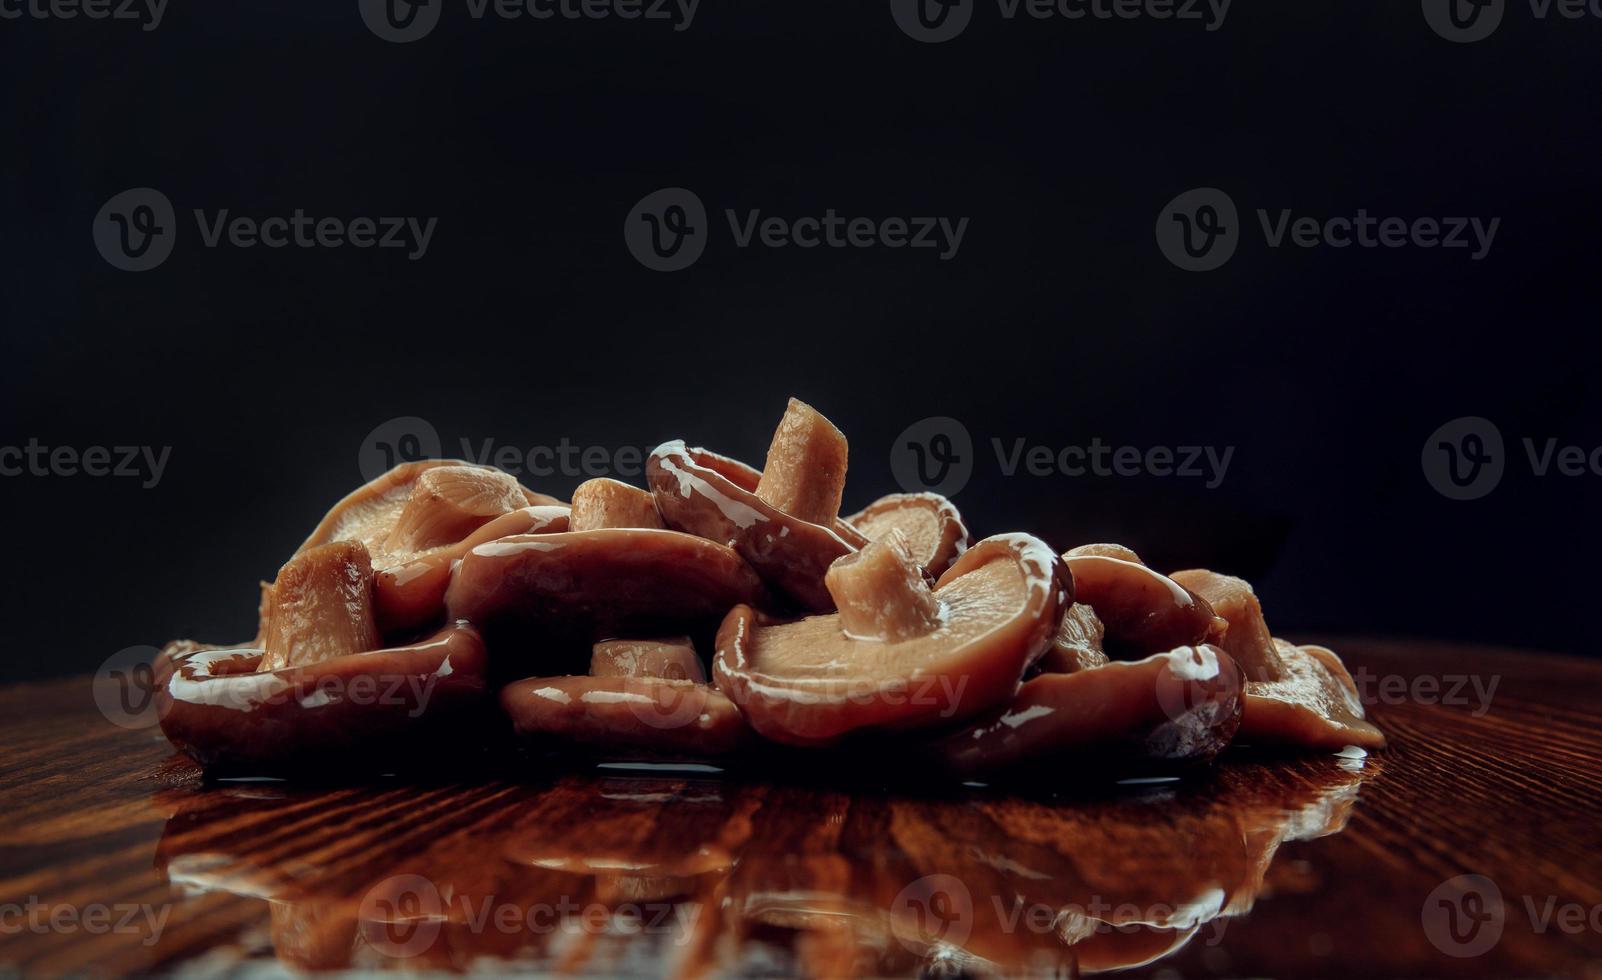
<point>118,858</point>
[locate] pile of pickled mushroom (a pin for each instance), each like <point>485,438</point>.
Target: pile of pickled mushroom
<point>722,613</point>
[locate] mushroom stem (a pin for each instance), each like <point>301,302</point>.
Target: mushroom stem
<point>882,594</point>
<point>320,607</point>
<point>602,503</point>
<point>806,467</point>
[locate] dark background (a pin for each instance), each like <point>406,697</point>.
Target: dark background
<point>529,322</point>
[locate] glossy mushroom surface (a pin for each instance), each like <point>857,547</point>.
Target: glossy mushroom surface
<point>810,682</point>
<point>1080,643</point>
<point>642,716</point>
<point>695,495</point>
<point>933,527</point>
<point>1144,611</point>
<point>419,506</point>
<point>1295,695</point>
<point>412,595</point>
<point>539,596</point>
<point>672,658</point>
<point>221,710</point>
<point>1183,705</point>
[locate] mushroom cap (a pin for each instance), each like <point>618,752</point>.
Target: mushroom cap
<point>218,709</point>
<point>807,682</point>
<point>627,716</point>
<point>935,532</point>
<point>1183,705</point>
<point>1144,611</point>
<point>369,513</point>
<point>714,497</point>
<point>412,595</point>
<point>1313,705</point>
<point>578,587</point>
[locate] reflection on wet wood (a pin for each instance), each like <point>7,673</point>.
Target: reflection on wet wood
<point>1306,866</point>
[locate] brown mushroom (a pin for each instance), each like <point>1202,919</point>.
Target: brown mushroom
<point>897,656</point>
<point>672,658</point>
<point>627,716</point>
<point>706,495</point>
<point>1295,695</point>
<point>222,709</point>
<point>1144,612</point>
<point>1079,644</point>
<point>418,506</point>
<point>554,594</point>
<point>1183,705</point>
<point>935,531</point>
<point>320,607</point>
<point>411,596</point>
<point>610,503</point>
<point>1104,550</point>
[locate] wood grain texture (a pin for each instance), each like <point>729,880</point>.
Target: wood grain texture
<point>1317,866</point>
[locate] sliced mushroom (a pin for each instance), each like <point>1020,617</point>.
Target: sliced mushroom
<point>1144,612</point>
<point>320,607</point>
<point>221,708</point>
<point>554,594</point>
<point>701,493</point>
<point>670,658</point>
<point>1183,705</point>
<point>935,531</point>
<point>1079,644</point>
<point>815,680</point>
<point>412,596</point>
<point>415,507</point>
<point>1295,695</point>
<point>610,503</point>
<point>629,716</point>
